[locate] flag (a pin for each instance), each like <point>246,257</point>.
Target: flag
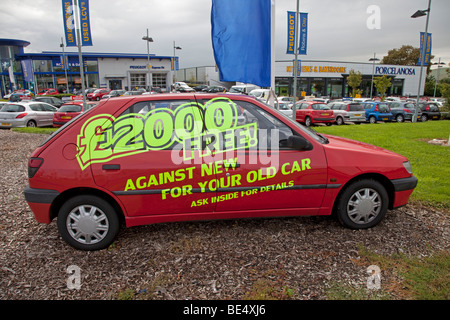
<point>427,49</point>
<point>303,32</point>
<point>69,23</point>
<point>241,39</point>
<point>292,33</point>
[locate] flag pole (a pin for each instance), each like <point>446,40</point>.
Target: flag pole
<point>80,56</point>
<point>295,68</point>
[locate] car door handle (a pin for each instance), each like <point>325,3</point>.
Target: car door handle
<point>111,167</point>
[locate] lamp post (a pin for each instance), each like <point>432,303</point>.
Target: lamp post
<point>437,76</point>
<point>373,71</point>
<point>148,39</point>
<point>417,14</point>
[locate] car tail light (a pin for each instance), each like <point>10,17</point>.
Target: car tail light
<point>33,166</point>
<point>376,108</point>
<point>428,108</point>
<point>407,110</point>
<point>20,116</point>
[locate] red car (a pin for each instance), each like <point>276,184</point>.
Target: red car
<point>181,157</point>
<point>98,94</point>
<point>68,111</point>
<point>47,92</point>
<point>310,112</point>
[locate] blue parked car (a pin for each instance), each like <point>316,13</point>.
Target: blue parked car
<point>377,111</point>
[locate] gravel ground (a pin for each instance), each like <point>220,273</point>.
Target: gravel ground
<point>202,260</point>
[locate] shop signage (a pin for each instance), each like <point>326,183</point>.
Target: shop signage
<point>145,67</point>
<point>319,69</point>
<point>395,71</point>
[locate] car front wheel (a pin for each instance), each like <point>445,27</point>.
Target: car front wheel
<point>308,121</point>
<point>363,204</point>
<point>88,222</point>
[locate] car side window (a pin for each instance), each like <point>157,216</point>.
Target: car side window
<point>36,107</point>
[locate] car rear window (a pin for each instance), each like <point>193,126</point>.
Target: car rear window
<point>70,108</point>
<point>12,108</point>
<point>384,108</point>
<point>355,107</point>
<point>320,106</point>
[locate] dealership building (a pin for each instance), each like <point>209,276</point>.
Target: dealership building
<point>21,70</point>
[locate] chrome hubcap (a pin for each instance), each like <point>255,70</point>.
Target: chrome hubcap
<point>364,206</point>
<point>87,224</point>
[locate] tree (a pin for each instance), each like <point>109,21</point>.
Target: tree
<point>382,84</point>
<point>407,55</point>
<point>354,81</point>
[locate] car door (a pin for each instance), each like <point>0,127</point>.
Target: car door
<point>255,170</point>
<point>142,160</point>
<point>48,113</point>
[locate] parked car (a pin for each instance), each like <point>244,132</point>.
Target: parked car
<point>200,87</point>
<point>429,110</point>
<point>284,108</point>
<point>50,100</point>
<point>260,94</point>
<point>47,92</point>
<point>98,94</point>
<point>26,114</point>
<point>132,93</point>
<point>215,89</point>
<point>20,93</point>
<point>403,111</point>
<point>114,93</point>
<point>287,100</point>
<point>347,111</point>
<point>70,110</point>
<point>377,111</point>
<point>182,87</point>
<point>114,164</point>
<point>311,112</point>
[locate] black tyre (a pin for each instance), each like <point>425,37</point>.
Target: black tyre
<point>31,124</point>
<point>308,121</point>
<point>400,118</point>
<point>339,121</point>
<point>88,223</point>
<point>363,204</point>
<point>424,118</point>
<point>373,120</point>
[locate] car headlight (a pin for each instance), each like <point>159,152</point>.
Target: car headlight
<point>408,167</point>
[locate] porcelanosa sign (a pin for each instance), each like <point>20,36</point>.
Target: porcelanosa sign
<point>395,71</point>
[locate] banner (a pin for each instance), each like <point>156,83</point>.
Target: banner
<point>85,25</point>
<point>69,23</point>
<point>303,32</point>
<point>427,49</point>
<point>27,69</point>
<point>241,38</point>
<point>292,33</point>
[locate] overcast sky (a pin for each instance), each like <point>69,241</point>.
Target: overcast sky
<point>338,29</point>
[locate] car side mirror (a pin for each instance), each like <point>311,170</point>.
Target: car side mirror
<point>299,143</point>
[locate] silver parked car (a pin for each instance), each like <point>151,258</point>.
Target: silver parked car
<point>348,111</point>
<point>26,114</point>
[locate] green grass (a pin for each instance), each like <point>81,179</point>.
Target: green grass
<point>35,130</point>
<point>430,163</point>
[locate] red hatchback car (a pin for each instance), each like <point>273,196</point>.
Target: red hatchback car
<point>98,94</point>
<point>310,112</point>
<point>182,157</point>
<point>68,111</point>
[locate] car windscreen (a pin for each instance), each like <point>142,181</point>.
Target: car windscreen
<point>12,108</point>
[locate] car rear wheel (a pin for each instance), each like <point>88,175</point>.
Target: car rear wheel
<point>339,121</point>
<point>88,222</point>
<point>424,118</point>
<point>308,121</point>
<point>363,204</point>
<point>400,118</point>
<point>373,120</point>
<point>31,124</point>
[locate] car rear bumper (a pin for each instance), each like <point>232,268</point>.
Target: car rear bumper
<point>39,201</point>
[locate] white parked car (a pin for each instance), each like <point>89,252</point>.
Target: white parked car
<point>26,114</point>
